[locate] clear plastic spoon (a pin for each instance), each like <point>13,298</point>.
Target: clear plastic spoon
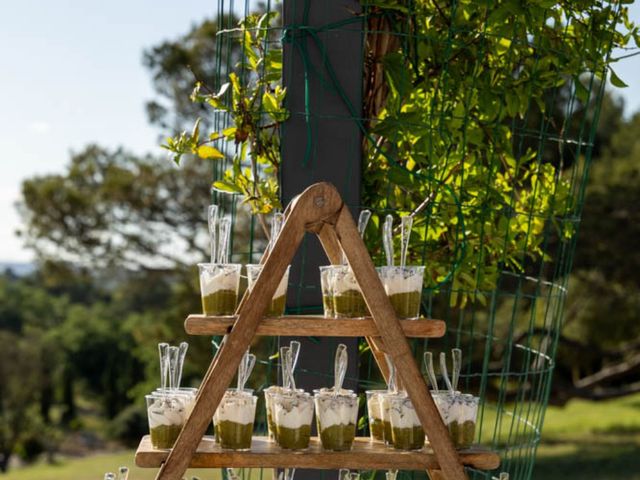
<point>294,352</point>
<point>164,365</point>
<point>445,374</point>
<point>212,220</point>
<point>109,476</point>
<point>405,235</point>
<point>276,226</point>
<point>340,368</point>
<point>284,366</point>
<point>456,355</point>
<point>173,363</point>
<point>431,373</point>
<point>225,237</point>
<point>182,353</point>
<point>391,474</point>
<point>344,474</point>
<point>247,364</point>
<point>232,475</point>
<point>392,385</point>
<point>363,221</point>
<point>387,239</point>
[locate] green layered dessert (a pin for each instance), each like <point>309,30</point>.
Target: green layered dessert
<point>279,300</point>
<point>234,435</point>
<point>406,430</point>
<point>293,416</point>
<point>327,303</point>
<point>411,438</point>
<point>219,284</point>
<point>459,412</point>
<point>166,417</point>
<point>463,433</point>
<point>234,420</point>
<point>337,437</point>
<point>376,427</point>
<point>404,289</point>
<point>294,438</point>
<point>350,304</point>
<point>221,302</point>
<point>406,304</point>
<point>164,436</point>
<point>336,415</point>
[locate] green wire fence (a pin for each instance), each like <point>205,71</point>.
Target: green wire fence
<point>477,118</point>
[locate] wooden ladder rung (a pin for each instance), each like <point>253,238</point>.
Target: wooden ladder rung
<point>365,455</point>
<point>314,326</point>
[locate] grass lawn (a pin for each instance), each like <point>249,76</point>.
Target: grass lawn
<point>587,440</point>
<point>582,441</point>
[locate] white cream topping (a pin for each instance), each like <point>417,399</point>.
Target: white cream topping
<point>402,414</point>
<point>218,279</point>
<point>457,407</point>
<point>166,412</point>
<point>336,410</point>
<point>343,281</point>
<point>398,281</point>
<point>238,408</point>
<point>282,286</point>
<point>293,411</point>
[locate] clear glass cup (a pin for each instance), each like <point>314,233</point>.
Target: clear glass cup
<point>336,416</point>
<point>268,404</point>
<point>348,301</point>
<point>293,416</point>
<point>327,292</point>
<point>459,412</point>
<point>234,418</point>
<point>374,409</point>
<point>406,428</point>
<point>219,286</point>
<point>279,301</point>
<point>404,289</point>
<point>167,415</point>
<point>385,411</point>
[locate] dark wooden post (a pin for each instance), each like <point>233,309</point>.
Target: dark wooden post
<point>320,143</point>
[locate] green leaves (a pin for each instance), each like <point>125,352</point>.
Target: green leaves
<point>615,80</point>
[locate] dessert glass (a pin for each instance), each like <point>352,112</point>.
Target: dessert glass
<point>327,293</point>
<point>234,419</point>
<point>374,407</point>
<point>337,416</point>
<point>348,301</point>
<point>166,414</point>
<point>279,300</point>
<point>406,430</point>
<point>459,413</point>
<point>293,416</point>
<point>219,285</point>
<point>404,289</point>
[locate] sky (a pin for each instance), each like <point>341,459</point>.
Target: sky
<point>71,74</point>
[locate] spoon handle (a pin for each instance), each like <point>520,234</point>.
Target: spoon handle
<point>164,365</point>
<point>340,367</point>
<point>212,220</point>
<point>456,354</point>
<point>387,239</point>
<point>443,370</point>
<point>392,374</point>
<point>431,373</point>
<point>173,363</point>
<point>284,365</point>
<point>407,223</point>
<point>182,353</point>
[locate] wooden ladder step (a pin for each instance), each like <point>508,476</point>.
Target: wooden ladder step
<point>365,455</point>
<point>314,326</point>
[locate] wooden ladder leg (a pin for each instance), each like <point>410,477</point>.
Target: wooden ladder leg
<point>329,240</point>
<point>313,205</point>
<point>393,337</point>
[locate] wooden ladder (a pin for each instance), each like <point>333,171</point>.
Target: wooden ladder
<point>319,209</point>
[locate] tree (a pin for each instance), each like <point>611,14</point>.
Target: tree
<point>113,208</point>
